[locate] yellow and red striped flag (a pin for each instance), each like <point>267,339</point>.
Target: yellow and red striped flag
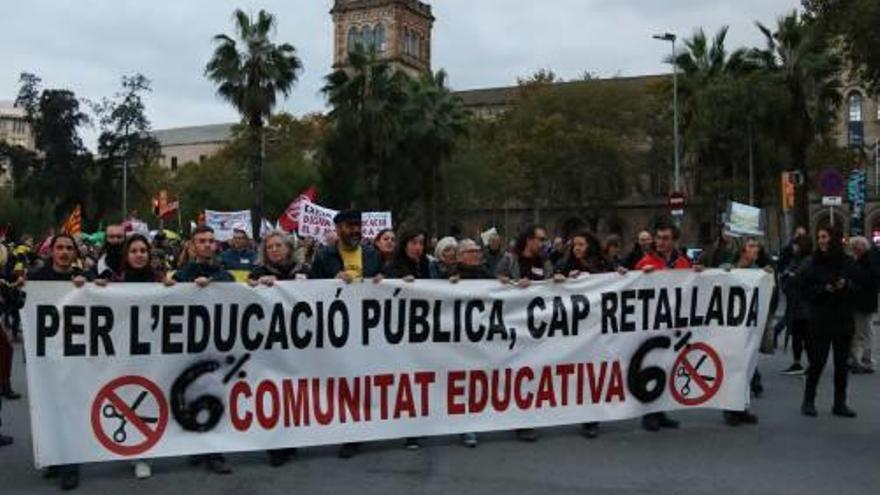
<point>73,224</point>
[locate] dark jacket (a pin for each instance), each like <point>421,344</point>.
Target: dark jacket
<point>594,264</point>
<point>470,272</point>
<point>404,267</point>
<point>633,258</point>
<point>328,263</point>
<point>831,312</point>
<point>866,299</point>
<point>147,275</point>
<point>792,283</point>
<point>279,272</point>
<point>491,259</point>
<point>48,274</point>
<point>192,271</point>
<point>232,259</point>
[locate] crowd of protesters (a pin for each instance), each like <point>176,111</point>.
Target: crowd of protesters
<point>830,288</point>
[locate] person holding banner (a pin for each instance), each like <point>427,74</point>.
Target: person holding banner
<point>239,256</point>
<point>446,252</point>
<point>135,267</point>
<point>527,262</point>
<point>276,262</point>
<point>470,267</point>
<point>665,255</point>
<point>62,267</point>
<point>831,286</point>
<point>347,260</point>
<point>411,263</point>
<point>745,259</point>
<point>385,242</point>
<point>202,270</point>
<point>582,257</point>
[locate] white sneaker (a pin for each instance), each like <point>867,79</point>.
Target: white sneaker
<point>142,470</point>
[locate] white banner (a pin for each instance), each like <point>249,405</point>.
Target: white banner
<point>225,222</point>
<point>143,370</point>
<point>316,222</point>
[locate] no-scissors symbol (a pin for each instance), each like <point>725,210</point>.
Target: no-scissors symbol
<point>129,427</point>
<point>696,375</point>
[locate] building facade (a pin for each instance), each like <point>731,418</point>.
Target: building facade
<point>194,144</point>
<point>398,30</point>
<point>15,131</point>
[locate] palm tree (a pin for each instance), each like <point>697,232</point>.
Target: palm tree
<point>809,71</point>
<point>713,123</point>
<point>250,75</point>
<point>367,100</point>
<point>435,120</point>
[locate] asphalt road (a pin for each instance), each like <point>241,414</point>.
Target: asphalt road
<point>785,453</point>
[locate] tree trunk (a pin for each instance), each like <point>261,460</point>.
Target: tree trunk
<point>258,146</point>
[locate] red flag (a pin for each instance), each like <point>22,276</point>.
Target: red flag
<point>289,220</point>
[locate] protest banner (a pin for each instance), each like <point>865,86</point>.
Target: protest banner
<point>225,222</point>
<point>143,370</point>
<point>316,221</point>
<point>374,222</point>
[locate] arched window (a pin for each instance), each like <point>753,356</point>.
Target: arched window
<point>854,102</point>
<point>352,38</point>
<point>406,40</point>
<point>379,37</point>
<point>417,46</point>
<point>367,37</point>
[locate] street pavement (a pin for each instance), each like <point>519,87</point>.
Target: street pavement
<point>786,453</point>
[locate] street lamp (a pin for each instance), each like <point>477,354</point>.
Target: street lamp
<point>671,38</point>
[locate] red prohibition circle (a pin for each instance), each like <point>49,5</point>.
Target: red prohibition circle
<point>151,435</point>
<point>709,389</point>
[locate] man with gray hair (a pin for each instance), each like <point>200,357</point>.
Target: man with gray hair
<point>865,302</point>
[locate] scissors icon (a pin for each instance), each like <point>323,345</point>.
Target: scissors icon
<point>109,411</point>
<point>682,373</point>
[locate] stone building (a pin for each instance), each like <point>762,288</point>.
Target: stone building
<point>194,144</point>
<point>14,130</point>
<point>398,30</point>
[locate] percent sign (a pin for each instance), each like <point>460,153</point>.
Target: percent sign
<point>204,413</point>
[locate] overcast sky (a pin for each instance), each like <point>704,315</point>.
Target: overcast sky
<point>87,45</point>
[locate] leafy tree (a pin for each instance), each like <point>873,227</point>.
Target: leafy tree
<point>434,120</point>
<point>125,144</point>
<point>291,147</point>
<point>250,72</point>
<point>57,172</point>
<point>809,72</point>
<point>855,23</point>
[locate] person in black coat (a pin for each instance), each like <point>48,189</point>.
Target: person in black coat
<point>203,270</point>
<point>62,267</point>
<point>410,261</point>
<point>134,267</point>
<point>583,257</point>
<point>831,285</point>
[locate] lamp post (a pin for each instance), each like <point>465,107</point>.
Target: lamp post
<point>671,38</point>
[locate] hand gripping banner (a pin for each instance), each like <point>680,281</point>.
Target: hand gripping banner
<point>143,370</point>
